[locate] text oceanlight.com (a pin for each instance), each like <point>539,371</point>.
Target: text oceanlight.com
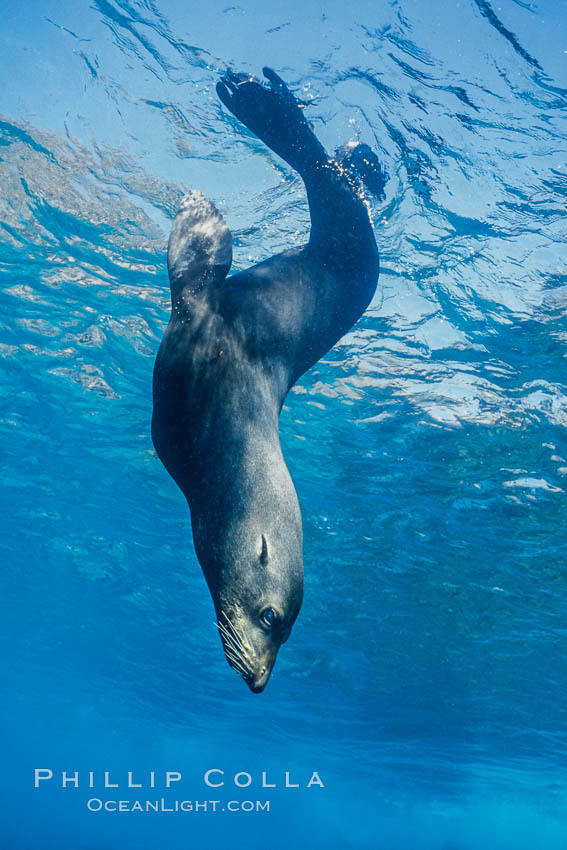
<point>95,804</point>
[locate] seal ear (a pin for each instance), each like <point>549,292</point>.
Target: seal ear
<point>264,554</point>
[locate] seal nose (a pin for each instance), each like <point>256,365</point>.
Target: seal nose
<point>259,682</point>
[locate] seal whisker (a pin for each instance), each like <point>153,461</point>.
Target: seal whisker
<point>230,649</point>
<point>236,635</point>
<point>232,628</point>
<point>240,636</point>
<point>232,656</point>
<point>238,666</point>
<point>227,638</point>
<point>235,664</point>
<point>229,632</point>
<point>239,663</point>
<point>234,650</point>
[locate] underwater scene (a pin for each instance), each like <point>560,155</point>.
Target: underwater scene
<point>420,701</point>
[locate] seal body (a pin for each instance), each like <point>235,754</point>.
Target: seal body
<point>233,348</point>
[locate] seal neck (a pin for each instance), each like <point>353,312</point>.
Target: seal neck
<point>247,495</point>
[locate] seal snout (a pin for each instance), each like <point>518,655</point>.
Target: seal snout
<point>259,682</point>
<point>252,659</point>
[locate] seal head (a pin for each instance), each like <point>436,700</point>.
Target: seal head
<point>252,561</point>
<point>255,624</point>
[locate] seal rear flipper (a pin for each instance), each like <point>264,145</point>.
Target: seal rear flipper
<point>361,160</point>
<point>200,246</point>
<point>274,115</point>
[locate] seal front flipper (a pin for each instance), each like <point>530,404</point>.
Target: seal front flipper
<point>199,253</point>
<point>273,114</point>
<point>328,284</point>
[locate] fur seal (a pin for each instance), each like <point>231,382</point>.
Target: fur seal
<point>233,348</point>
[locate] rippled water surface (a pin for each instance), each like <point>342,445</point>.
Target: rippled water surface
<point>425,678</point>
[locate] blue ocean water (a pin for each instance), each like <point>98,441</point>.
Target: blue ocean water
<point>425,678</point>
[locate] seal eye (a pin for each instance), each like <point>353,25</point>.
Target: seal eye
<point>268,617</point>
